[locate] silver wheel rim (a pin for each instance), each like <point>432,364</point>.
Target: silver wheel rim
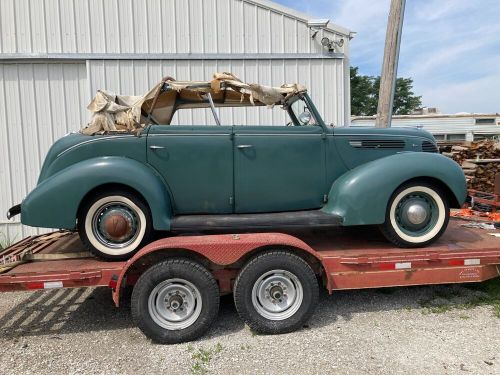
<point>126,214</point>
<point>175,304</point>
<point>277,295</point>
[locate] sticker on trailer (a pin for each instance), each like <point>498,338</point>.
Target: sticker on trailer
<point>402,266</point>
<point>52,284</point>
<point>472,262</point>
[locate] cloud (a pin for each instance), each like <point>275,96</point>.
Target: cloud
<point>448,46</point>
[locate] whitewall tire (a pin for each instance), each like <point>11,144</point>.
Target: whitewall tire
<point>114,224</point>
<point>417,215</point>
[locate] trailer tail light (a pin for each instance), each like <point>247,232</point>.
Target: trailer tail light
<point>113,282</point>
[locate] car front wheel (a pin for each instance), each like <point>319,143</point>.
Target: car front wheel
<point>417,215</point>
<point>114,224</point>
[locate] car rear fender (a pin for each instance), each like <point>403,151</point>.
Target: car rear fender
<point>361,195</point>
<point>54,202</point>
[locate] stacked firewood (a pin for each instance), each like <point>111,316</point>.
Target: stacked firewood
<point>480,162</point>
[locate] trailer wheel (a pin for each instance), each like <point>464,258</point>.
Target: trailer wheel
<point>175,301</point>
<point>417,215</point>
<point>276,292</point>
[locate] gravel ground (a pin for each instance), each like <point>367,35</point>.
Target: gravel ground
<point>372,331</point>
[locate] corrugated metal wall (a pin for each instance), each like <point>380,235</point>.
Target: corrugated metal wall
<point>153,26</point>
<point>38,104</point>
<point>324,78</point>
<point>54,54</point>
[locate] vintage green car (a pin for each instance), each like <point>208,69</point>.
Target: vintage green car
<point>119,188</point>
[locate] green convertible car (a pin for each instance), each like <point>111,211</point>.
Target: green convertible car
<point>129,174</point>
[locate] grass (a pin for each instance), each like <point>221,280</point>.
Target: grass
<point>490,295</point>
<point>201,357</point>
<point>443,299</point>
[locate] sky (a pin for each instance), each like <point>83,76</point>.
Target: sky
<point>451,48</point>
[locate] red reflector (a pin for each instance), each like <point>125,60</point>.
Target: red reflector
<point>112,284</point>
<point>456,262</point>
<point>34,285</point>
<point>387,266</point>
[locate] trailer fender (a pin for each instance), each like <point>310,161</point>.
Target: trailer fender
<point>361,195</point>
<point>55,201</point>
<point>221,250</point>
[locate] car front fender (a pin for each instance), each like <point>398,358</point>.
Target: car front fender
<point>361,195</point>
<point>54,202</point>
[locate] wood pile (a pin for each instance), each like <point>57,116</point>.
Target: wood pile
<point>480,162</point>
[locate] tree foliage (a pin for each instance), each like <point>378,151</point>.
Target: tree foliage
<point>364,95</point>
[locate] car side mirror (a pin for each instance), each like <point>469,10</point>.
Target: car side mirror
<point>305,118</point>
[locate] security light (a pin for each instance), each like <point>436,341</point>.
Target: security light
<point>326,42</point>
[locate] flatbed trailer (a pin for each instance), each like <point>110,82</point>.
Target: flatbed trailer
<point>340,258</point>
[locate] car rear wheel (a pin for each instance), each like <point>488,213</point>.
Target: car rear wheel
<point>417,215</point>
<point>276,292</point>
<point>175,301</point>
<point>114,224</point>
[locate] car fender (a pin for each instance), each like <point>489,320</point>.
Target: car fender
<point>54,202</point>
<point>361,195</point>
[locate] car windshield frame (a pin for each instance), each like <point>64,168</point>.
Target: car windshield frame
<point>304,97</point>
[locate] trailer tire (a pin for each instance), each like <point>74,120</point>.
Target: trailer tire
<point>276,292</point>
<point>175,301</point>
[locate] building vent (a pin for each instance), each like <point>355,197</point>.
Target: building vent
<point>378,143</point>
<point>428,146</point>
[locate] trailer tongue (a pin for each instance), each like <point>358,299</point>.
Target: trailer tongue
<point>269,273</point>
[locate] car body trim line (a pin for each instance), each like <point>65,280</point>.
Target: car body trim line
<point>95,140</point>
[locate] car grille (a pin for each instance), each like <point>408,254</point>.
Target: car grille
<point>378,143</point>
<point>428,146</point>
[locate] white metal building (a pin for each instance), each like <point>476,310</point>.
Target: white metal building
<point>447,128</point>
<point>54,54</point>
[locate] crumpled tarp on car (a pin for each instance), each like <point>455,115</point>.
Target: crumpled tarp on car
<point>111,112</point>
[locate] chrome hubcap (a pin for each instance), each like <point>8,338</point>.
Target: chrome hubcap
<point>277,295</point>
<point>175,304</point>
<point>416,213</point>
<point>115,225</point>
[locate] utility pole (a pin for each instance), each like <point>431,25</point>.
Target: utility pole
<point>390,64</point>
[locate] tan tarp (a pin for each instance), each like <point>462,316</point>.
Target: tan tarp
<point>111,112</point>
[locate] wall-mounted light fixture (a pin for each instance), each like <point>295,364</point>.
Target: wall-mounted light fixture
<point>328,43</point>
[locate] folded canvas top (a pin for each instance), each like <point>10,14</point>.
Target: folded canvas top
<point>111,112</point>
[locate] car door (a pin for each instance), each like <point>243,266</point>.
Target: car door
<point>197,165</point>
<point>279,168</point>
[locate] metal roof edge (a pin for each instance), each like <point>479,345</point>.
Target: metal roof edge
<point>273,6</point>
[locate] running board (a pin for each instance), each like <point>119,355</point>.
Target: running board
<point>280,220</point>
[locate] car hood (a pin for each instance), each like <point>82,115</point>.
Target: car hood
<point>371,131</point>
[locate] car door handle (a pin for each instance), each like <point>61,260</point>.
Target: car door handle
<point>153,147</point>
<point>244,146</point>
